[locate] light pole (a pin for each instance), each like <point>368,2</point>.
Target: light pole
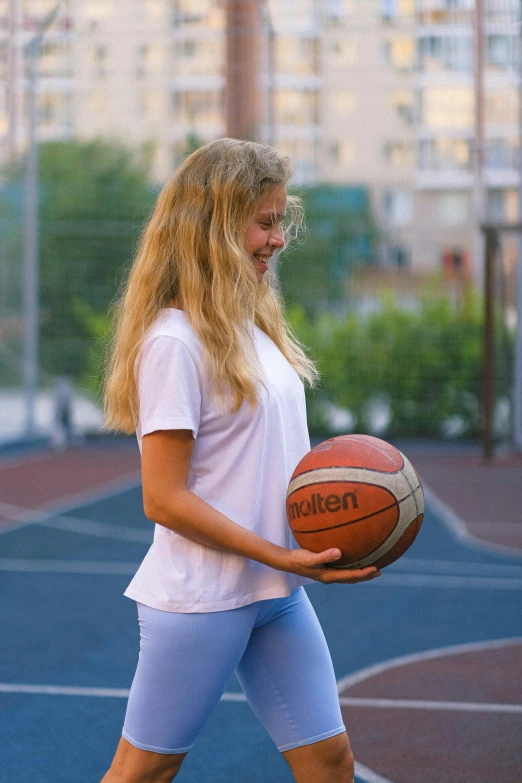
<point>517,390</point>
<point>30,267</point>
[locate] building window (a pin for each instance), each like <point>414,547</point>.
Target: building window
<point>403,102</point>
<point>345,52</point>
<point>453,209</point>
<point>54,110</point>
<point>511,199</point>
<point>501,52</point>
<point>397,207</point>
<point>149,59</point>
<point>150,104</point>
<point>495,205</point>
<point>53,61</point>
<point>502,106</point>
<point>342,152</point>
<point>446,53</point>
<point>398,53</point>
<point>398,153</point>
<point>98,103</point>
<point>391,9</point>
<point>191,11</point>
<point>296,107</point>
<point>196,107</point>
<point>443,154</point>
<point>501,153</point>
<point>448,107</point>
<point>99,58</point>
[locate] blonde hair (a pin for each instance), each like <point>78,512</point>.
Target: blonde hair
<point>192,253</point>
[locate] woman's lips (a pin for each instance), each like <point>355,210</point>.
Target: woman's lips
<point>262,261</point>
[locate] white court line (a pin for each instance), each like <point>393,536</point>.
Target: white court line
<point>108,567</point>
<point>455,567</point>
<point>365,774</point>
<point>89,527</point>
<point>445,581</point>
<point>422,704</point>
<point>368,775</point>
<point>67,566</point>
<point>427,655</point>
<point>116,567</point>
<point>70,524</point>
<point>507,527</point>
<point>74,501</point>
<point>458,527</point>
<point>238,696</point>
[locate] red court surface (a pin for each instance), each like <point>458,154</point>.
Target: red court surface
<point>463,729</point>
<point>49,480</point>
<point>487,497</point>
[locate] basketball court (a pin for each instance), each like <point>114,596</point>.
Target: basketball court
<point>427,657</point>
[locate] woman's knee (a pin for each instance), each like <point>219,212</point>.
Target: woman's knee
<point>164,773</point>
<point>341,760</point>
<point>327,760</point>
<point>133,765</point>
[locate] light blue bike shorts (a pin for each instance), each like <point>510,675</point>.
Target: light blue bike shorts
<point>278,651</point>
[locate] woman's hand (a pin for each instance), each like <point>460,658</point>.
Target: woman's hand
<point>313,565</point>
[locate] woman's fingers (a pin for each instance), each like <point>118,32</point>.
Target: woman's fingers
<point>349,576</point>
<point>315,565</point>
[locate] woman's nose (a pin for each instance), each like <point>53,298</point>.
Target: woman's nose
<point>277,239</point>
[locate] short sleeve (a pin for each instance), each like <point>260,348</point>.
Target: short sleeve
<point>168,387</point>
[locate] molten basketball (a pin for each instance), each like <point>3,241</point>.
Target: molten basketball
<point>358,494</point>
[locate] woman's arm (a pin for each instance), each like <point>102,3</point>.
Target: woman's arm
<point>166,456</point>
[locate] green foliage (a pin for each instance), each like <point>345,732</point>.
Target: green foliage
<point>424,366</point>
<point>341,233</point>
<point>98,326</point>
<point>94,198</point>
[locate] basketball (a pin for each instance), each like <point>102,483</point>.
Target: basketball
<point>358,494</point>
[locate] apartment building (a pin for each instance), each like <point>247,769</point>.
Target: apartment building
<point>368,112</point>
<point>448,194</point>
<point>379,93</point>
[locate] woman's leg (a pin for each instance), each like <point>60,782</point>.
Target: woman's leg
<point>322,762</point>
<point>288,678</point>
<point>185,663</point>
<point>132,764</point>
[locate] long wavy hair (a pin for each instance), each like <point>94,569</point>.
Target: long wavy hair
<point>192,255</point>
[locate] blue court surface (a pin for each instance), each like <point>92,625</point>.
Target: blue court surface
<point>70,638</point>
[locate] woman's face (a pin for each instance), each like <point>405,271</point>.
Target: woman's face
<point>264,235</point>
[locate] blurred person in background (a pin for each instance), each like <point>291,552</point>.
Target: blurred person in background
<point>208,374</point>
<point>62,427</point>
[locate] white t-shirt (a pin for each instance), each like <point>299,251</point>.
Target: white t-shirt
<point>241,465</point>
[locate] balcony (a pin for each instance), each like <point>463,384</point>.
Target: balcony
<point>443,179</point>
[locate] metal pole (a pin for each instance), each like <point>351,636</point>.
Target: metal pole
<point>31,283</point>
<point>488,349</point>
<point>478,190</point>
<point>30,266</point>
<point>13,77</point>
<point>517,387</point>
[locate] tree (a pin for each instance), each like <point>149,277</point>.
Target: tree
<point>94,198</point>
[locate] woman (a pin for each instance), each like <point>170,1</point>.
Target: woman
<point>207,372</point>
